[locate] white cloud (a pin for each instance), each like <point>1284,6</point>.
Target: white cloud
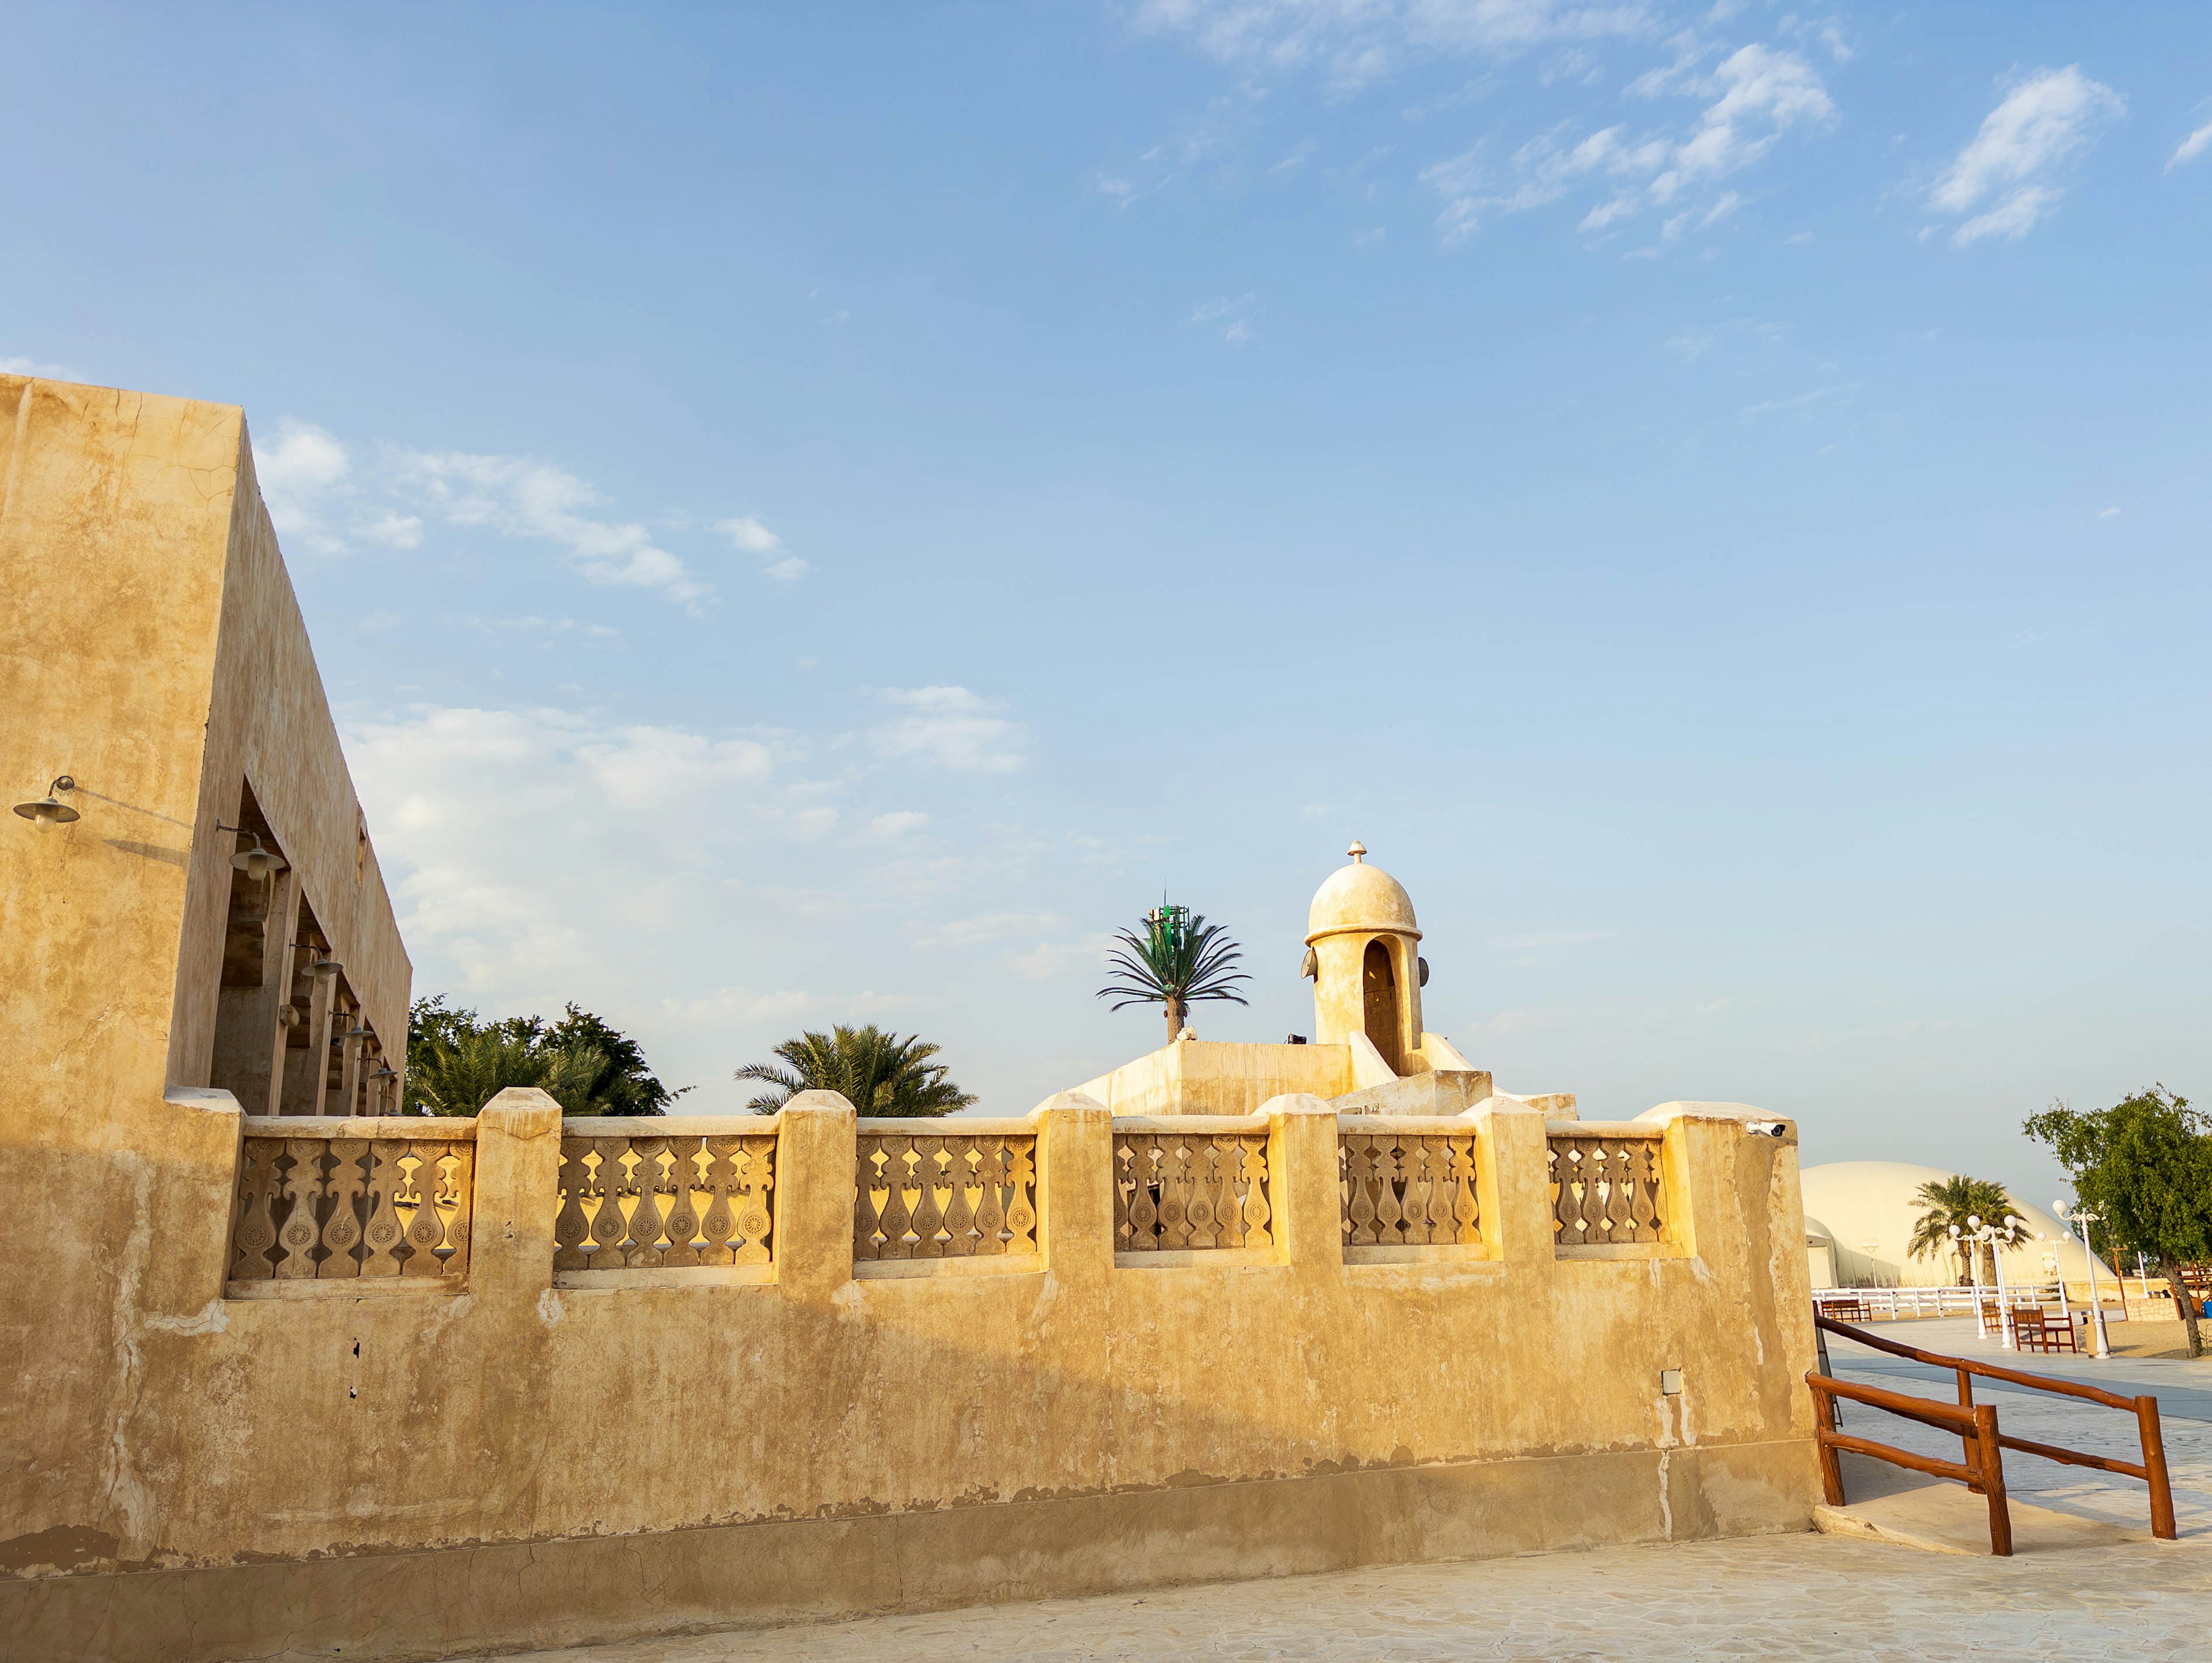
<point>1233,318</point>
<point>684,884</point>
<point>1757,94</point>
<point>889,828</point>
<point>2044,121</point>
<point>395,531</point>
<point>987,928</point>
<point>950,728</point>
<point>43,371</point>
<point>2011,218</point>
<point>303,473</point>
<point>752,537</point>
<point>1359,41</point>
<point>520,496</point>
<point>2192,147</point>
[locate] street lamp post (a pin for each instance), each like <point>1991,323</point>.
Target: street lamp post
<point>2056,1265</point>
<point>1991,1236</point>
<point>1974,1279</point>
<point>2085,1218</point>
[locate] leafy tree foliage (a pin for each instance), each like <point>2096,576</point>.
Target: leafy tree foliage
<point>878,1073</point>
<point>1174,960</point>
<point>1954,1201</point>
<point>457,1062</point>
<point>2146,1164</point>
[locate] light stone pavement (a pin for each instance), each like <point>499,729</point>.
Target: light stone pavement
<point>1798,1597</point>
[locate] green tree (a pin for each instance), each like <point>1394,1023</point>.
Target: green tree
<point>2146,1164</point>
<point>457,1062</point>
<point>878,1073</point>
<point>1954,1201</point>
<point>1176,960</point>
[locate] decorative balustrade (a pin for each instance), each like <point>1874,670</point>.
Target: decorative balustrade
<point>1407,1188</point>
<point>944,1194</point>
<point>1190,1181</point>
<point>637,1195</point>
<point>1607,1188</point>
<point>328,1198</point>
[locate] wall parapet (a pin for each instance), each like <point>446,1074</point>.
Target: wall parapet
<point>352,1203</point>
<point>926,1190</point>
<point>1192,1183</point>
<point>1608,1187</point>
<point>638,1195</point>
<point>1406,1184</point>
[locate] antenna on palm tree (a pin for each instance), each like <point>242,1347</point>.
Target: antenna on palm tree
<point>1178,960</point>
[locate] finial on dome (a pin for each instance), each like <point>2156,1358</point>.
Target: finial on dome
<point>1356,849</point>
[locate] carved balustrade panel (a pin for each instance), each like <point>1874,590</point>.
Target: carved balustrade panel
<point>1409,1189</point>
<point>1175,1192</point>
<point>319,1207</point>
<point>944,1195</point>
<point>1607,1190</point>
<point>633,1202</point>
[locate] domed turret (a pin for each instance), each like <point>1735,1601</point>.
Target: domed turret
<point>1361,897</point>
<point>1360,937</point>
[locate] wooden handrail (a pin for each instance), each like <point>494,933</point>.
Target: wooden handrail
<point>2152,1469</point>
<point>1967,1365</point>
<point>1983,1470</point>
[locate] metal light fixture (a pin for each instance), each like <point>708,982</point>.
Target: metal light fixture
<point>50,809</point>
<point>257,862</point>
<point>318,965</point>
<point>290,1015</point>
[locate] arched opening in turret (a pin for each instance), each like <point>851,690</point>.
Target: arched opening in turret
<point>1378,984</point>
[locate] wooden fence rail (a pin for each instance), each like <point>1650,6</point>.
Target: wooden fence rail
<point>2151,1470</point>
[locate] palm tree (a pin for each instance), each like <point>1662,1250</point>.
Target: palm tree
<point>1178,960</point>
<point>461,1075</point>
<point>1953,1201</point>
<point>878,1073</point>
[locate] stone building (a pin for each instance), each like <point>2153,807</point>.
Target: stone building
<point>288,1377</point>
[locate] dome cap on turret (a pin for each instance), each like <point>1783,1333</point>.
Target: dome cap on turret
<point>1361,897</point>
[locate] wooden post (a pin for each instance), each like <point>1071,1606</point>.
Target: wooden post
<point>1973,1454</point>
<point>1832,1467</point>
<point>1993,1484</point>
<point>2153,1454</point>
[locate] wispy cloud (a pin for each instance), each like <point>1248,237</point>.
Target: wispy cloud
<point>1755,94</point>
<point>1357,41</point>
<point>305,476</point>
<point>2192,147</point>
<point>1233,318</point>
<point>325,500</point>
<point>756,539</point>
<point>950,728</point>
<point>2044,121</point>
<point>33,368</point>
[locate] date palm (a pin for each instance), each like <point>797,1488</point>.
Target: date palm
<point>1176,960</point>
<point>459,1075</point>
<point>878,1073</point>
<point>1953,1201</point>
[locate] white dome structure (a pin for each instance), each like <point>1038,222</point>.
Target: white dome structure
<point>1868,1212</point>
<point>1361,951</point>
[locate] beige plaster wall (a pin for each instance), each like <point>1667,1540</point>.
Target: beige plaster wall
<point>151,648</point>
<point>340,1424</point>
<point>1212,1077</point>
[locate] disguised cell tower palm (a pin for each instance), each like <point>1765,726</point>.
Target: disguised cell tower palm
<point>1175,960</point>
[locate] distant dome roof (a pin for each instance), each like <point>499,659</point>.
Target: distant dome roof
<point>1361,897</point>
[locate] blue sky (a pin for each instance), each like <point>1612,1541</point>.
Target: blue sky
<point>818,513</point>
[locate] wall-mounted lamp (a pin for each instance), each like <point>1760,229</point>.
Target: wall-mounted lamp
<point>50,809</point>
<point>290,1015</point>
<point>257,862</point>
<point>324,967</point>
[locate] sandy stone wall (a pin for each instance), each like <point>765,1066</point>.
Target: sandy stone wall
<point>981,1423</point>
<point>151,648</point>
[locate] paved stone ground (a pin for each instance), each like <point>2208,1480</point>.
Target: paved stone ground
<point>1805,1597</point>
